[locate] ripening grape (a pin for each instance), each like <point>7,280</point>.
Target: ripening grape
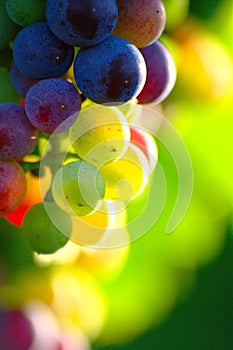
<point>126,178</point>
<point>12,186</point>
<point>140,22</point>
<point>161,73</point>
<point>145,141</point>
<point>39,54</point>
<point>51,102</point>
<point>78,188</point>
<point>16,330</point>
<point>42,234</point>
<point>20,81</point>
<point>26,12</point>
<point>8,29</point>
<point>82,23</point>
<point>17,136</point>
<point>111,72</point>
<point>100,134</point>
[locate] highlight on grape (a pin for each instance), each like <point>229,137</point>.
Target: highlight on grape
<point>110,174</point>
<point>82,165</point>
<point>87,77</point>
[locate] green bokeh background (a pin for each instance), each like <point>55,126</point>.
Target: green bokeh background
<point>188,274</point>
<point>165,291</point>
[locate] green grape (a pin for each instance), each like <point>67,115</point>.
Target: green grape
<point>8,29</point>
<point>41,233</point>
<point>78,188</point>
<point>100,134</point>
<point>7,90</point>
<point>26,12</point>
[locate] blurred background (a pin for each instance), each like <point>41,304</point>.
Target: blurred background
<point>164,292</point>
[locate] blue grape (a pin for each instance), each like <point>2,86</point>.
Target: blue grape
<point>20,81</point>
<point>17,136</point>
<point>51,102</point>
<point>82,23</point>
<point>39,54</point>
<point>111,72</point>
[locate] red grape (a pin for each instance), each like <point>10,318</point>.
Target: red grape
<point>161,73</point>
<point>17,135</point>
<point>12,186</point>
<point>140,22</point>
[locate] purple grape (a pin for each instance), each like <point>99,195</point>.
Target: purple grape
<point>20,81</point>
<point>161,73</point>
<point>82,23</point>
<point>39,54</point>
<point>111,72</point>
<point>50,102</point>
<point>17,136</point>
<point>16,330</point>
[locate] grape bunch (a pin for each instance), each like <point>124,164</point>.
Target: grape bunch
<point>76,72</point>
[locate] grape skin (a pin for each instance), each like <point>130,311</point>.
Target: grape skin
<point>12,186</point>
<point>51,102</point>
<point>8,29</point>
<point>38,53</point>
<point>126,178</point>
<point>111,72</point>
<point>100,134</point>
<point>145,141</point>
<point>119,68</point>
<point>82,23</point>
<point>20,81</point>
<point>26,12</point>
<point>140,22</point>
<point>78,187</point>
<point>161,73</point>
<point>17,136</point>
<point>43,236</point>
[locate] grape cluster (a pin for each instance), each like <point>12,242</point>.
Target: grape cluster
<point>78,68</point>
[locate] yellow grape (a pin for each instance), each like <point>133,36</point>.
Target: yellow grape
<point>100,134</point>
<point>78,188</point>
<point>126,178</point>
